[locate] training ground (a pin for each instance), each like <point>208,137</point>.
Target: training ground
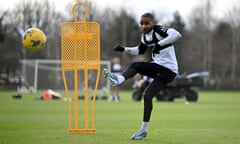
<point>214,119</point>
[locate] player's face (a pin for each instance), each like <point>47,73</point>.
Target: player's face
<point>146,24</point>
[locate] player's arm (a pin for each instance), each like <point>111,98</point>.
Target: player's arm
<point>137,50</point>
<point>172,37</point>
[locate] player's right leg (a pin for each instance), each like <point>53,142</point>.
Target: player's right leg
<point>111,77</point>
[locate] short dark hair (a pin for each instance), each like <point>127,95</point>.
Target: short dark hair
<point>149,15</point>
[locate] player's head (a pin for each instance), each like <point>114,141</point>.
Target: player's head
<point>116,60</point>
<point>147,22</point>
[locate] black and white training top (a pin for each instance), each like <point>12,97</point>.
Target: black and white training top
<point>165,37</point>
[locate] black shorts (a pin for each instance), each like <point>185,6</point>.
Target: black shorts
<point>152,70</point>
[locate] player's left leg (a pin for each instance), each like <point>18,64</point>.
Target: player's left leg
<point>162,78</point>
<point>150,92</point>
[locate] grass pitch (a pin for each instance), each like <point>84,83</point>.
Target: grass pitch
<point>214,119</point>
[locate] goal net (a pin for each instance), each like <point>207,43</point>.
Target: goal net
<point>39,75</point>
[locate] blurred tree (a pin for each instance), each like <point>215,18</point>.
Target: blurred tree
<point>222,36</point>
<point>106,19</point>
<point>202,23</point>
<point>200,43</point>
<point>2,27</point>
<point>125,31</point>
<point>230,71</point>
<point>28,14</point>
<point>118,28</point>
<point>234,19</point>
<point>8,58</point>
<point>178,22</point>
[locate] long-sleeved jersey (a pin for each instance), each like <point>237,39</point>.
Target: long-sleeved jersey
<point>161,40</point>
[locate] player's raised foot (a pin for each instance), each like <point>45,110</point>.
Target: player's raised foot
<point>111,77</point>
<point>105,73</point>
<point>139,135</point>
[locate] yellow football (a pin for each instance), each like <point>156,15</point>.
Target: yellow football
<point>34,39</point>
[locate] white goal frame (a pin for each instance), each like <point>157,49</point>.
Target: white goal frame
<point>39,64</point>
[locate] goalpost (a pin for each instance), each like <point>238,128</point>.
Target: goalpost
<point>42,74</point>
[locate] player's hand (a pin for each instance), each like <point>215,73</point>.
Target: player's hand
<point>118,48</point>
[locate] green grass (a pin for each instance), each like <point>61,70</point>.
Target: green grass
<point>214,119</point>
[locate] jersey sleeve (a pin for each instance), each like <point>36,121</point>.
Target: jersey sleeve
<point>138,50</point>
<point>172,36</point>
<point>131,50</point>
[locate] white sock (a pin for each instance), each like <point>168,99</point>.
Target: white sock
<point>144,126</point>
<point>121,78</point>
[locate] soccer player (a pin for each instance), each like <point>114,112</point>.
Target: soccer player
<point>163,68</point>
<point>115,69</point>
